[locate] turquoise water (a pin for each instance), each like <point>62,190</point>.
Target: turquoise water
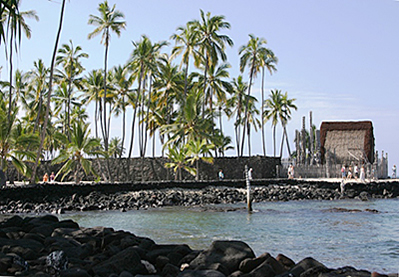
<point>298,229</point>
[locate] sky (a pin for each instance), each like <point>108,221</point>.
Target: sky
<point>337,58</point>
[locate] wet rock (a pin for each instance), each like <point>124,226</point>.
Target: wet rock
<point>228,253</point>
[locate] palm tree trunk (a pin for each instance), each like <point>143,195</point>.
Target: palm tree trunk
<point>205,77</point>
<point>263,110</point>
<point>282,144</point>
<point>11,79</point>
<point>249,139</point>
<point>46,119</point>
<point>274,140</point>
<point>197,173</point>
<point>287,141</point>
<point>246,108</point>
<point>105,136</point>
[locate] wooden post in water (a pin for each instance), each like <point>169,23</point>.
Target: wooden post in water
<point>249,200</point>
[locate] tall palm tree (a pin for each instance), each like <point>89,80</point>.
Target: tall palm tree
<point>253,55</point>
<point>267,63</point>
<point>287,106</point>
<point>211,44</point>
<point>43,133</point>
<point>16,24</point>
<point>68,57</point>
<point>274,111</point>
<point>186,42</point>
<point>236,107</point>
<point>12,8</point>
<point>93,91</point>
<point>110,20</point>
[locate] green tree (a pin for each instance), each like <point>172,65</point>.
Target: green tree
<point>274,111</point>
<point>198,150</point>
<point>16,24</point>
<point>253,55</point>
<point>14,140</point>
<point>178,161</point>
<point>75,155</point>
<point>287,106</point>
<point>69,59</point>
<point>110,20</point>
<point>211,44</point>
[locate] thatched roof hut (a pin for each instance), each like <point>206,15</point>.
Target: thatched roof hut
<point>346,142</point>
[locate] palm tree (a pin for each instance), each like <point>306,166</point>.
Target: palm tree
<point>14,140</point>
<point>235,107</point>
<point>197,150</point>
<point>253,55</point>
<point>186,41</point>
<point>274,111</point>
<point>287,105</point>
<point>15,25</point>
<point>43,133</point>
<point>178,161</point>
<point>68,57</point>
<point>211,43</point>
<point>92,91</point>
<point>74,156</point>
<point>12,8</point>
<point>110,20</point>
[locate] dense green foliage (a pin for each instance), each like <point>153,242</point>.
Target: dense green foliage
<point>178,99</point>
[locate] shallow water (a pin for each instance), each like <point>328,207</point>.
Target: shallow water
<point>298,229</point>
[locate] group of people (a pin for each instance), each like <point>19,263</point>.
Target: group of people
<point>46,177</point>
<point>356,173</point>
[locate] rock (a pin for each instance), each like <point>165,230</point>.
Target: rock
<point>304,265</point>
<point>201,273</point>
<point>228,253</point>
<point>170,270</point>
<point>74,272</point>
<point>57,261</point>
<point>364,196</point>
<point>263,270</point>
<point>285,261</point>
<point>249,264</point>
<point>126,260</point>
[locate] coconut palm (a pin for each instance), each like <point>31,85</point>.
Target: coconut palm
<point>198,149</point>
<point>68,57</point>
<point>236,107</point>
<point>274,111</point>
<point>43,133</point>
<point>287,106</point>
<point>186,42</point>
<point>178,161</point>
<point>14,140</point>
<point>93,89</point>
<point>253,55</point>
<point>211,44</point>
<point>110,20</point>
<point>16,24</point>
<point>75,155</point>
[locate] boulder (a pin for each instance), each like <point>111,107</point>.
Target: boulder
<point>228,253</point>
<point>201,273</point>
<point>305,265</point>
<point>249,264</point>
<point>126,260</point>
<point>263,270</point>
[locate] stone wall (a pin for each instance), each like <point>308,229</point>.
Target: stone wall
<point>153,169</point>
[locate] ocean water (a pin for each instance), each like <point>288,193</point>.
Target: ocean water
<point>297,229</point>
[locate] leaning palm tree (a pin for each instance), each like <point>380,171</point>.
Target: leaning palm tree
<point>178,161</point>
<point>253,55</point>
<point>43,133</point>
<point>75,155</point>
<point>16,24</point>
<point>110,20</point>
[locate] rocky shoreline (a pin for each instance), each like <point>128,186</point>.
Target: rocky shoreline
<point>58,199</point>
<point>45,246</point>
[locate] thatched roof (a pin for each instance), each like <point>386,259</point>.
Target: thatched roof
<point>359,132</point>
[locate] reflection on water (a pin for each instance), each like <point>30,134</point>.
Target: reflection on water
<point>298,229</point>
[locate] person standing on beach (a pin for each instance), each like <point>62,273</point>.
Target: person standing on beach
<point>356,171</point>
<point>394,171</point>
<point>221,175</point>
<point>362,174</point>
<point>250,174</point>
<point>343,172</point>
